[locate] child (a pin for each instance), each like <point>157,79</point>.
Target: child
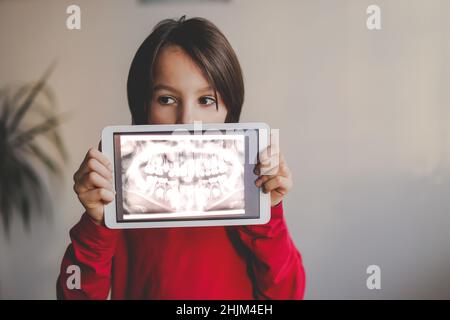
<point>184,71</point>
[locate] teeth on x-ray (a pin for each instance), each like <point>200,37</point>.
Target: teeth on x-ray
<point>183,175</point>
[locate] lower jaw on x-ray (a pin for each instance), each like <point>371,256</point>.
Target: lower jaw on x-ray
<point>182,176</point>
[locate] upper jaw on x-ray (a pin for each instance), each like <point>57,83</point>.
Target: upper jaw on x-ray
<point>182,175</point>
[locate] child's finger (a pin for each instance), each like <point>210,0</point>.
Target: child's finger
<point>92,154</point>
<point>96,154</point>
<point>270,170</point>
<point>100,156</point>
<point>92,180</point>
<point>278,182</point>
<point>267,153</point>
<point>274,146</point>
<point>271,161</point>
<point>267,166</point>
<point>261,180</point>
<point>93,165</point>
<point>278,167</point>
<point>93,198</point>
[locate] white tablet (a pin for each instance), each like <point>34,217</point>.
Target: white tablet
<point>185,175</point>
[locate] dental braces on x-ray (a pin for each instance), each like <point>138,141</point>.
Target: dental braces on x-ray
<point>183,174</point>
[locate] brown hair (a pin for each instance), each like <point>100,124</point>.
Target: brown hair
<point>208,48</point>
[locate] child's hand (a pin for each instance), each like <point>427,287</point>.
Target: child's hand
<point>93,184</point>
<point>274,174</point>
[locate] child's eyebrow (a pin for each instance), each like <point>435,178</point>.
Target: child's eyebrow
<point>164,87</point>
<point>206,89</point>
<point>170,88</point>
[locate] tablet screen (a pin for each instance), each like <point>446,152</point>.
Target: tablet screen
<point>163,176</point>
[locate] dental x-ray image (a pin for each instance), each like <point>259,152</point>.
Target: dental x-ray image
<point>175,176</point>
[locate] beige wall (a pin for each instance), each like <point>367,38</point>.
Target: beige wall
<point>364,119</point>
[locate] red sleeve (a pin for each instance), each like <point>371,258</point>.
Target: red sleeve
<point>276,262</point>
<point>92,250</point>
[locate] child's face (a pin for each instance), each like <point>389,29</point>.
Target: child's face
<point>181,92</point>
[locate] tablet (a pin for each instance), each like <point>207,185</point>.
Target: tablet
<point>185,175</point>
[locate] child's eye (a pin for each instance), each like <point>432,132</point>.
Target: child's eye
<point>166,100</point>
<point>207,101</point>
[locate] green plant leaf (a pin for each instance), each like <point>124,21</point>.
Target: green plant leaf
<point>21,200</point>
<point>30,134</point>
<point>49,128</point>
<point>6,108</point>
<point>46,160</point>
<point>20,184</point>
<point>53,134</point>
<point>58,143</point>
<point>18,116</point>
<point>9,189</point>
<point>5,203</point>
<point>32,192</point>
<point>20,189</point>
<point>42,108</point>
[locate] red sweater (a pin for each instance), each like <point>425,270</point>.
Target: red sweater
<point>233,262</point>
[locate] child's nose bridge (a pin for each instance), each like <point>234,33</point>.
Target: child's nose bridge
<point>186,112</point>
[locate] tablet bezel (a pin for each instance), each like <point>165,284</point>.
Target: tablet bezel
<point>108,149</point>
